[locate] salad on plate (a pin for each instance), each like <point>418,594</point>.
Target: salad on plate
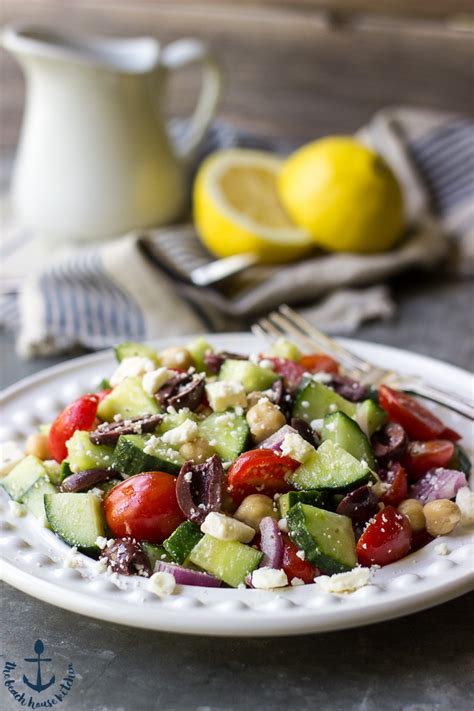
<point>210,468</point>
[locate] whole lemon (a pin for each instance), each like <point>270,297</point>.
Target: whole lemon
<point>343,194</point>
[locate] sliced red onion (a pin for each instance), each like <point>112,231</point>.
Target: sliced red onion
<point>199,488</point>
<point>187,576</point>
<point>438,483</point>
<point>276,439</point>
<point>271,543</point>
<point>87,479</point>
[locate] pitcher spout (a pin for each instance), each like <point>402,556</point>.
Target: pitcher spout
<point>138,55</point>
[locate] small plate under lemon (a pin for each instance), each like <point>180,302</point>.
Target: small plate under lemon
<point>237,208</point>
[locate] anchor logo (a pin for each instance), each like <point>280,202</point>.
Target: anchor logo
<point>38,686</point>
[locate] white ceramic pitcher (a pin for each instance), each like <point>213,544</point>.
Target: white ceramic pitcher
<point>95,158</point>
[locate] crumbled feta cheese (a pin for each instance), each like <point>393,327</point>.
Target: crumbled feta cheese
<point>465,501</point>
<point>224,394</point>
<point>131,367</point>
<point>283,525</point>
<point>101,542</point>
<point>269,578</point>
<point>301,555</point>
<point>265,363</point>
<point>10,455</point>
<point>162,583</point>
<point>154,380</point>
<point>321,377</point>
<point>344,582</point>
<point>317,424</point>
<point>226,528</point>
<point>72,559</point>
<point>296,447</point>
<point>332,407</point>
<point>187,431</point>
<point>296,581</point>
<point>188,477</point>
<point>16,509</point>
<point>441,549</point>
<point>97,492</point>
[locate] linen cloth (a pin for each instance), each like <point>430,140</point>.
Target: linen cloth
<point>137,286</point>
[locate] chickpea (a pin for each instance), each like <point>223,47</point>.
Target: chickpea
<point>254,397</point>
<point>176,358</point>
<point>442,516</point>
<point>253,508</point>
<point>198,450</point>
<point>37,444</point>
<point>264,419</point>
<point>413,510</point>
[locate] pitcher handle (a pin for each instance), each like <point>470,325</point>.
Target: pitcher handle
<point>182,53</point>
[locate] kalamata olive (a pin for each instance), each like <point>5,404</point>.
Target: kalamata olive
<point>109,432</point>
<point>305,431</point>
<point>200,488</point>
<point>171,388</point>
<point>214,361</point>
<point>359,505</point>
<point>190,394</point>
<point>390,442</point>
<point>348,388</point>
<point>282,397</point>
<point>125,556</point>
<point>87,479</point>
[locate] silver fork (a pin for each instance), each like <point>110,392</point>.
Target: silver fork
<point>286,323</point>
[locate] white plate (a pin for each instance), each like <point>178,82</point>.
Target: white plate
<point>33,558</point>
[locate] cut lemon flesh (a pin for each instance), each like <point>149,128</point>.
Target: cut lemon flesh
<point>237,208</point>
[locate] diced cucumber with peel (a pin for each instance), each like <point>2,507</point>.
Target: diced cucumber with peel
<point>129,349</point>
<point>82,454</point>
<point>155,554</point>
<point>286,501</point>
<point>22,477</point>
<point>342,430</point>
<point>326,538</point>
<point>182,541</point>
<point>230,561</point>
<point>314,400</point>
<point>282,348</point>
<point>170,421</point>
<point>330,467</point>
<point>127,399</point>
<point>198,349</point>
<point>76,518</point>
<point>370,417</point>
<point>129,457</point>
<point>34,497</point>
<point>227,432</point>
<point>249,374</point>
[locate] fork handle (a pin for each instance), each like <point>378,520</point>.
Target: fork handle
<point>458,403</point>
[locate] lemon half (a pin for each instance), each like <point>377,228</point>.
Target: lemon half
<point>237,208</point>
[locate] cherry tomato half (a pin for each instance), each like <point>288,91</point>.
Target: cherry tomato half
<point>396,478</point>
<point>319,362</point>
<point>260,471</point>
<point>418,422</point>
<point>79,415</point>
<point>386,539</point>
<point>422,456</point>
<point>293,566</point>
<point>144,507</point>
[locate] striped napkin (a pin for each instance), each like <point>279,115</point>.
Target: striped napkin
<point>138,286</point>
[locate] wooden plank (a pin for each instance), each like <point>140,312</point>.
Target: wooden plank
<point>287,72</point>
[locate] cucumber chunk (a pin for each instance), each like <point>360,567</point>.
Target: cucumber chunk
<point>282,348</point>
<point>128,349</point>
<point>249,374</point>
<point>129,457</point>
<point>227,432</point>
<point>155,553</point>
<point>34,497</point>
<point>230,561</point>
<point>331,467</point>
<point>23,476</point>
<point>198,349</point>
<point>290,499</point>
<point>342,430</point>
<point>314,400</point>
<point>181,542</point>
<point>127,399</point>
<point>76,518</point>
<point>82,454</point>
<point>170,421</point>
<point>460,460</point>
<point>326,538</point>
<point>370,417</point>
